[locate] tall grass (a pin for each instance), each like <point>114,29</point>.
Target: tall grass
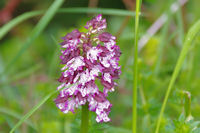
<point>118,12</point>
<point>7,27</point>
<point>36,107</point>
<point>135,67</point>
<point>187,43</point>
<point>16,116</point>
<point>37,30</point>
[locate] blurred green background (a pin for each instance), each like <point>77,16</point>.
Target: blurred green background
<point>34,74</point>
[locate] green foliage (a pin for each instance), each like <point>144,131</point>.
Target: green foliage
<point>188,42</point>
<point>28,85</point>
<point>183,125</point>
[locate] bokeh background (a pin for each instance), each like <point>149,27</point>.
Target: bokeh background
<point>34,74</point>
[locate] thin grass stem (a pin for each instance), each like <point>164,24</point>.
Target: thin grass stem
<point>37,30</point>
<point>15,115</point>
<point>36,107</point>
<point>187,43</point>
<point>135,68</point>
<point>7,27</point>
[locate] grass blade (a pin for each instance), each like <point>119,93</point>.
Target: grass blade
<point>135,68</point>
<point>36,107</point>
<point>7,27</point>
<point>187,43</point>
<point>116,12</point>
<point>17,116</point>
<point>37,30</point>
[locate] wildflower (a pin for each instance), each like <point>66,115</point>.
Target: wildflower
<point>88,57</point>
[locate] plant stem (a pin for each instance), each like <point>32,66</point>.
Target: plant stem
<point>187,43</point>
<point>187,105</point>
<point>135,68</point>
<point>84,119</point>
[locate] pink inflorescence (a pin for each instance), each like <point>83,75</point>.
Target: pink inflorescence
<point>88,57</point>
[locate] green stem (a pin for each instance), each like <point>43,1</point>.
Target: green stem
<point>187,104</point>
<point>15,21</point>
<point>63,124</point>
<point>135,68</point>
<point>36,107</point>
<point>84,119</point>
<point>187,43</point>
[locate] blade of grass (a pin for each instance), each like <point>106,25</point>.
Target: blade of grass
<point>37,30</point>
<point>36,107</point>
<point>10,123</point>
<point>187,43</point>
<point>187,104</point>
<point>135,67</point>
<point>116,12</point>
<point>7,27</point>
<point>17,116</point>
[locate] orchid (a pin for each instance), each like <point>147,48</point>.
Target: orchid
<point>88,57</point>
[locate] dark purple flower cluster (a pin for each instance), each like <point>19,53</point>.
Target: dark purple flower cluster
<point>88,57</point>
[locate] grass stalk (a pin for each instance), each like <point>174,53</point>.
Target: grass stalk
<point>135,68</point>
<point>11,24</point>
<point>187,43</point>
<point>37,30</point>
<point>36,107</point>
<point>85,119</point>
<point>187,105</point>
<point>15,115</point>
